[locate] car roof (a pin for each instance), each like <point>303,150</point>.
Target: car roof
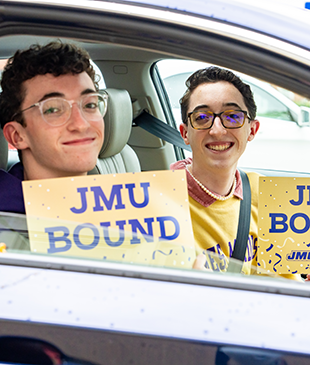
<point>167,30</point>
<point>283,21</point>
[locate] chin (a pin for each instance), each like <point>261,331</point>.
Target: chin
<point>222,165</point>
<point>83,168</point>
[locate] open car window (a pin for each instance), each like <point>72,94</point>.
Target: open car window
<point>154,239</point>
<point>283,115</point>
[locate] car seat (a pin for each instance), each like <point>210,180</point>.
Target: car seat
<point>116,156</point>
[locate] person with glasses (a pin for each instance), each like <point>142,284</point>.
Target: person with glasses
<point>52,113</point>
<point>219,119</point>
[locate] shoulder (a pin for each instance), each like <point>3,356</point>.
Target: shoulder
<point>253,178</point>
<point>181,165</point>
<point>254,183</point>
<point>17,171</point>
<point>12,179</point>
<point>11,193</point>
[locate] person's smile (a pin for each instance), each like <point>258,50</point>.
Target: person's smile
<point>219,146</point>
<point>80,141</point>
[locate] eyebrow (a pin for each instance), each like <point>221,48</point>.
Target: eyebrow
<point>61,95</point>
<point>234,105</point>
<point>204,106</point>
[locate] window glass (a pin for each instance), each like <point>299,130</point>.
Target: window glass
<point>269,106</point>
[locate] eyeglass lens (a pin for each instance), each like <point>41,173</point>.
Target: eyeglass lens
<point>202,119</point>
<point>57,111</point>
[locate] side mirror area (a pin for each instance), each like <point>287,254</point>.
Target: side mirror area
<point>304,117</point>
<point>244,356</point>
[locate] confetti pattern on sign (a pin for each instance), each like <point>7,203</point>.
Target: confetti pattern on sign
<point>284,224</point>
<point>119,217</point>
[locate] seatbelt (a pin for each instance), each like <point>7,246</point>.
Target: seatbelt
<point>160,129</point>
<point>243,226</point>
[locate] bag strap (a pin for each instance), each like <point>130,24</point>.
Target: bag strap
<point>243,226</point>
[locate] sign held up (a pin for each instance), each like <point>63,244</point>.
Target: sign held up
<point>284,225</point>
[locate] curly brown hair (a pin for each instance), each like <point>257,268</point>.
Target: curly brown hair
<point>211,75</point>
<point>55,58</point>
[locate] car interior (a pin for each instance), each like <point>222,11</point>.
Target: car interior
<point>128,63</point>
<point>133,80</point>
<point>131,90</point>
<point>116,156</point>
<point>135,85</point>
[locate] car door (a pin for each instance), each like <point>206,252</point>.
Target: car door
<point>105,311</point>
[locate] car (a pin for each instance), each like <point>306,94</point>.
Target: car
<point>70,308</point>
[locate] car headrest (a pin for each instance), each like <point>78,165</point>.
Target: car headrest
<point>117,122</point>
<point>3,151</point>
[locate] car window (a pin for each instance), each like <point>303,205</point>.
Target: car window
<point>269,106</point>
<point>283,116</point>
<point>118,241</point>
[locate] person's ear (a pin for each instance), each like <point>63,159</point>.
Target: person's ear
<point>183,130</point>
<point>254,127</point>
<point>14,133</point>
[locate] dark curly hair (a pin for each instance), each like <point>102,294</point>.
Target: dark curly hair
<point>55,58</point>
<point>212,75</point>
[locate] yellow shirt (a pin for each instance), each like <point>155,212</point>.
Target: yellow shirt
<point>215,224</point>
<point>215,230</point>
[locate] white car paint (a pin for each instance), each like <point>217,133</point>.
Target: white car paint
<point>131,305</point>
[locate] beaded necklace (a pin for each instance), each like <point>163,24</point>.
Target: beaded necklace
<point>214,196</point>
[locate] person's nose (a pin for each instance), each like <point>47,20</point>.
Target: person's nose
<point>217,127</point>
<point>77,120</point>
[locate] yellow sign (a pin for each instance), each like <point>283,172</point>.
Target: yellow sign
<point>135,217</point>
<point>284,225</point>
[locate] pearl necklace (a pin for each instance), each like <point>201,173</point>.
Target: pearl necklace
<point>214,196</point>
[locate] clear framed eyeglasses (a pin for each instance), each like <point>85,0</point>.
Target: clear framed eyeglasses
<point>56,111</point>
